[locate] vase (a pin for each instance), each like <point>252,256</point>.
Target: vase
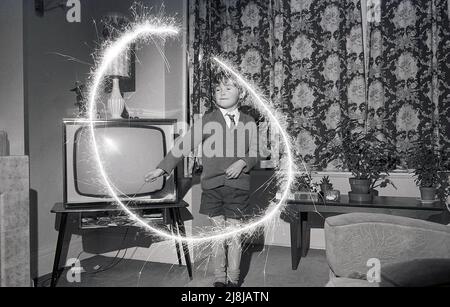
<point>116,103</point>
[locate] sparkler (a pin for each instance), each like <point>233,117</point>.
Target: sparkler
<point>149,30</point>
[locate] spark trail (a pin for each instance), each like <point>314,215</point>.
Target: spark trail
<point>150,30</point>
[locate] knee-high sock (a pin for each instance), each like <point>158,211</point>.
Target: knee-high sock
<point>220,253</point>
<point>234,254</point>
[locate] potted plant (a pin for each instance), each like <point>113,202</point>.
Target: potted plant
<point>326,185</point>
<point>386,161</point>
<point>304,183</point>
<point>443,192</point>
<point>306,189</point>
<point>426,161</point>
<point>382,182</point>
<point>368,159</point>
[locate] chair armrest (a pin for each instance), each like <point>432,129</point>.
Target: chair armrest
<point>353,239</point>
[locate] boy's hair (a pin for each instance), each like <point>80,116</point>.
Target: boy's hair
<point>223,77</point>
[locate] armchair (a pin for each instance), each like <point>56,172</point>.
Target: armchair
<point>411,252</point>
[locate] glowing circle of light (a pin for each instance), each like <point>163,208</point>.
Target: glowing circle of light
<point>160,30</point>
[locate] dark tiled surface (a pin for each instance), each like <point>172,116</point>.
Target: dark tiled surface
<point>268,267</point>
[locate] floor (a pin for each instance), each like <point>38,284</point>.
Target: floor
<point>261,267</point>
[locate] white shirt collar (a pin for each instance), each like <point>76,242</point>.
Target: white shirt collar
<point>225,112</point>
<point>236,114</point>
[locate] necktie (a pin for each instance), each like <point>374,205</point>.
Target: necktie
<point>233,122</point>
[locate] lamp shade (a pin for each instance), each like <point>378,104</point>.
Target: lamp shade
<point>120,67</point>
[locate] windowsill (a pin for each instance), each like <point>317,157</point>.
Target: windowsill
<point>336,174</point>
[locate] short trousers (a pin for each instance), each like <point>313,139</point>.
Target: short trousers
<point>225,201</point>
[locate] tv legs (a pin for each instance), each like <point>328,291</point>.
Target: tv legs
<point>182,232</point>
<point>59,246</point>
<point>173,228</point>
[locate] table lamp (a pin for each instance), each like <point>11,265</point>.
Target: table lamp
<point>119,68</point>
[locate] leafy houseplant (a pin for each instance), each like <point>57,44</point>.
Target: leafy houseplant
<point>304,183</point>
<point>428,164</point>
<point>305,188</point>
<point>368,159</point>
<point>326,185</point>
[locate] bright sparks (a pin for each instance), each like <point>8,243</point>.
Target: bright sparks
<point>153,29</point>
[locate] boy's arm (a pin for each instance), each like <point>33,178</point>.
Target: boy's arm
<point>252,158</point>
<point>183,146</point>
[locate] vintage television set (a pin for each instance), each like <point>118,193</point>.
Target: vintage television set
<point>128,149</point>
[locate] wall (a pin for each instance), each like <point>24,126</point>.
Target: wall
<point>49,78</point>
<point>11,75</point>
<point>176,75</point>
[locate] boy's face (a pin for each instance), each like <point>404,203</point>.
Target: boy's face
<point>227,95</point>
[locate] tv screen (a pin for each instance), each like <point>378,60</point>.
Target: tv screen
<point>128,151</point>
<point>127,154</point>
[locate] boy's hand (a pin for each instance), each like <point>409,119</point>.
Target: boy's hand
<point>235,170</point>
<point>153,175</point>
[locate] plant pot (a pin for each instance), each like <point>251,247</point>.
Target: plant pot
<point>325,188</point>
<point>360,198</point>
<point>428,194</point>
<point>375,193</point>
<point>360,186</point>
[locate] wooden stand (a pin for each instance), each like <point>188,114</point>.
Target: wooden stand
<point>177,227</point>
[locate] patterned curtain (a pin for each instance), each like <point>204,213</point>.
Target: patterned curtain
<point>308,57</point>
<point>409,93</point>
<point>238,31</point>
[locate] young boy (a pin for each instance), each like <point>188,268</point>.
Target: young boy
<point>230,143</point>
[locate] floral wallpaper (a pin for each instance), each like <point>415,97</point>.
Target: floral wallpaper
<point>308,57</point>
